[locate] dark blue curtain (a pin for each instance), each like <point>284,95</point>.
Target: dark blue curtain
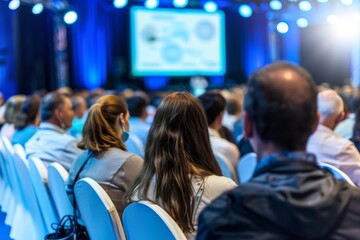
<point>91,44</point>
<point>8,84</point>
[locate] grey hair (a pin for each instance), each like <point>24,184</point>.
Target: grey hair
<point>329,103</point>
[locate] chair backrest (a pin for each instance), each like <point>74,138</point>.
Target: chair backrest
<point>337,173</point>
<point>39,177</point>
<point>145,220</point>
<point>57,180</point>
<point>97,211</point>
<point>28,190</point>
<point>246,167</point>
<point>226,167</point>
<point>134,145</point>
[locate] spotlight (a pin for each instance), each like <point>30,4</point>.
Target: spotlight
<point>275,5</point>
<point>14,4</point>
<point>282,27</point>
<point>37,8</point>
<point>305,6</point>
<point>302,22</point>
<point>151,4</point>
<point>120,3</point>
<point>322,1</point>
<point>245,10</point>
<point>210,6</point>
<point>332,19</point>
<point>347,2</point>
<point>180,3</point>
<point>70,17</point>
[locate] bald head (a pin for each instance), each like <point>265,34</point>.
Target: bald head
<point>281,104</point>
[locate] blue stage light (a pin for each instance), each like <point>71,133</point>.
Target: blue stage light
<point>245,10</point>
<point>275,5</point>
<point>14,4</point>
<point>37,8</point>
<point>120,3</point>
<point>305,6</point>
<point>302,22</point>
<point>210,6</point>
<point>151,4</point>
<point>180,3</point>
<point>282,27</point>
<point>70,17</point>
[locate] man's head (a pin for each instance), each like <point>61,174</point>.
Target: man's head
<point>330,107</point>
<point>79,105</point>
<point>214,104</point>
<point>56,109</point>
<point>280,108</point>
<point>137,107</point>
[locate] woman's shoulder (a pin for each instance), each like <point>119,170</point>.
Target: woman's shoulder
<point>216,185</point>
<point>215,180</point>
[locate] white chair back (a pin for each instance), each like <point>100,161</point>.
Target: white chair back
<point>31,203</point>
<point>145,220</point>
<point>97,211</point>
<point>57,180</point>
<point>134,145</point>
<point>337,173</point>
<point>39,176</point>
<point>246,167</point>
<point>226,167</point>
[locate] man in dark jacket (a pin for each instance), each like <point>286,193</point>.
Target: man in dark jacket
<point>289,196</point>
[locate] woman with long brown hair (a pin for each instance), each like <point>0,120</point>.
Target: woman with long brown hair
<point>180,172</point>
<point>106,159</point>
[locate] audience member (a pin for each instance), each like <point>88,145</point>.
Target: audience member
<point>289,196</point>
<point>12,109</point>
<point>214,104</point>
<point>105,158</point>
<point>137,109</point>
<point>180,172</point>
<point>326,145</point>
<point>51,142</point>
<point>28,120</point>
<point>79,107</point>
<point>356,131</point>
<point>345,128</point>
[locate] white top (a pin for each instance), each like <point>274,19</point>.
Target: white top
<point>337,151</point>
<point>212,188</point>
<point>224,147</point>
<point>345,128</point>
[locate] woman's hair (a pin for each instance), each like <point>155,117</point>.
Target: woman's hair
<point>12,108</point>
<point>99,132</point>
<point>28,112</point>
<point>177,147</point>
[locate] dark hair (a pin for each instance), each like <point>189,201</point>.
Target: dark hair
<point>214,103</point>
<point>233,105</point>
<point>99,132</point>
<point>12,108</point>
<point>49,103</point>
<point>28,112</point>
<point>178,147</point>
<point>354,103</point>
<point>136,105</point>
<point>282,115</point>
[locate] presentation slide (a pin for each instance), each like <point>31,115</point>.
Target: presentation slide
<point>177,42</point>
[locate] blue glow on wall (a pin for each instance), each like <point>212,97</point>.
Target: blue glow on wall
<point>90,49</point>
<point>155,83</point>
<point>8,84</point>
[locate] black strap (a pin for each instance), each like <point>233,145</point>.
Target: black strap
<point>90,155</point>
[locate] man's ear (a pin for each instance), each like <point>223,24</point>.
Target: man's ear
<point>339,118</point>
<point>248,126</point>
<point>316,122</point>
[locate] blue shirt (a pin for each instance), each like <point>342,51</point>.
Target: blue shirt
<point>53,144</point>
<point>23,135</point>
<point>139,128</point>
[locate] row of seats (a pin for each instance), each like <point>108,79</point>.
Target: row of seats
<point>247,164</point>
<point>34,197</point>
